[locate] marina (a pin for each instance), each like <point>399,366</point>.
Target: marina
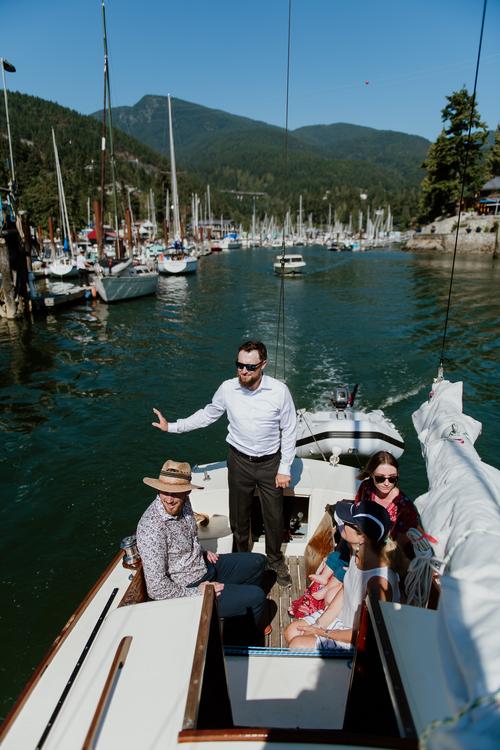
<point>126,621</point>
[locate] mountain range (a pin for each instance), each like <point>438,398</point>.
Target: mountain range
<point>326,164</point>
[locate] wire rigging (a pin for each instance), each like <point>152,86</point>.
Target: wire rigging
<point>281,306</point>
<point>462,190</point>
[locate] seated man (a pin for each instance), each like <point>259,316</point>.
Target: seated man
<point>174,563</point>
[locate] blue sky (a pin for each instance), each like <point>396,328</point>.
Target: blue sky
<point>231,55</point>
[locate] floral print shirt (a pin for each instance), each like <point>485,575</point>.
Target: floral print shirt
<point>171,554</point>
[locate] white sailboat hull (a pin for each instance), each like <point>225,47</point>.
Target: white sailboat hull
<point>346,431</point>
<point>63,268</point>
<point>116,288</point>
<point>173,265</point>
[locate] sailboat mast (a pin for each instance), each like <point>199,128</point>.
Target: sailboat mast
<point>62,197</point>
<point>173,175</point>
<point>110,128</point>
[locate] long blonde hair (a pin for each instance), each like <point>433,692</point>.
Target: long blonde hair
<point>320,544</point>
<point>392,554</point>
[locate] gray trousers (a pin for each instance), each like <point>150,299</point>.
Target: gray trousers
<point>244,477</point>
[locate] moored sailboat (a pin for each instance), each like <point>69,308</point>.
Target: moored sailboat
<point>175,260</point>
<point>123,280</point>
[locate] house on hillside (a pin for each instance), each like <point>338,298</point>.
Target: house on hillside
<point>489,201</point>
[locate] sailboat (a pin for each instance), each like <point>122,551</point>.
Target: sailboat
<point>434,672</point>
<point>64,264</point>
<point>175,260</point>
<point>123,280</point>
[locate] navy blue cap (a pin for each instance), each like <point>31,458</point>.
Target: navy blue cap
<point>370,517</point>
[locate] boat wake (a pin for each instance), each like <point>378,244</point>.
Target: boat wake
<point>391,400</point>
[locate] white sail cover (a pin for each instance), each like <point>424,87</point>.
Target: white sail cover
<point>462,511</point>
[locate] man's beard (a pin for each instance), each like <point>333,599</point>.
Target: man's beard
<point>254,378</point>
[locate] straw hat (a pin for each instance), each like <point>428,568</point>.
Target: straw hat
<point>174,477</point>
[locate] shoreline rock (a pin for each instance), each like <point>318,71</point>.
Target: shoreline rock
<point>477,235</point>
<point>477,244</point>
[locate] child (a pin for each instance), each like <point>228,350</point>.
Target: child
<point>326,581</point>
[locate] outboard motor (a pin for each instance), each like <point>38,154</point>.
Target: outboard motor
<point>343,397</point>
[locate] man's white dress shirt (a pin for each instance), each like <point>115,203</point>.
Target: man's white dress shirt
<point>260,421</point>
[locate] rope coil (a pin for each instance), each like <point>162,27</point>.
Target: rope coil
<point>418,580</point>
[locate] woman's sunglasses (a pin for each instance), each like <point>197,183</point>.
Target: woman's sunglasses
<point>379,479</point>
<point>250,368</point>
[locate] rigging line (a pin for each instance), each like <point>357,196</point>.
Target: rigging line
<point>281,306</point>
<point>462,188</point>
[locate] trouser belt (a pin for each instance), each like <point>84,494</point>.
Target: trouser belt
<point>254,459</point>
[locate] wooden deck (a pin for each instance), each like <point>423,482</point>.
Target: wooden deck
<point>279,602</point>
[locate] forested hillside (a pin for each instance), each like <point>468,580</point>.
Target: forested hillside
<point>79,142</point>
<point>327,165</point>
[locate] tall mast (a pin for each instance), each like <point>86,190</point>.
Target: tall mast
<point>7,66</point>
<point>107,89</point>
<point>62,198</point>
<point>173,175</point>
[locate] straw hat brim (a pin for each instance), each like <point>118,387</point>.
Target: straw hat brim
<point>170,487</point>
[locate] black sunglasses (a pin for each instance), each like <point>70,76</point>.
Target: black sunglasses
<point>250,368</point>
<point>379,478</point>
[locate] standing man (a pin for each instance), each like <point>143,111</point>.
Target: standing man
<point>261,436</point>
<point>83,269</point>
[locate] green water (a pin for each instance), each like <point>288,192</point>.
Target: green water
<point>77,392</point>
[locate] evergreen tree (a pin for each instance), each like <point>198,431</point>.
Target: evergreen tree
<point>493,158</point>
<point>451,154</point>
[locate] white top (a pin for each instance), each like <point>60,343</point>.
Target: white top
<point>355,584</point>
<point>80,261</point>
<point>259,420</point>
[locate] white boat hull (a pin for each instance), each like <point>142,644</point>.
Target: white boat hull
<point>63,269</point>
<point>346,431</point>
<point>178,266</point>
<point>116,288</point>
<point>289,264</point>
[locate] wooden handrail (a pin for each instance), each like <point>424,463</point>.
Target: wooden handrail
<point>104,700</point>
<point>200,653</point>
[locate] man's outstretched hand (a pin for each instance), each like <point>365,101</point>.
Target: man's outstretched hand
<point>162,423</point>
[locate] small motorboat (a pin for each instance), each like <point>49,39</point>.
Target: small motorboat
<point>344,430</point>
<point>289,264</point>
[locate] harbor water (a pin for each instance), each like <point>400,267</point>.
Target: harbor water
<point>77,392</point>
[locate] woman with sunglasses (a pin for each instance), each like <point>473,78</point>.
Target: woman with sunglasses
<point>380,483</point>
<point>373,568</point>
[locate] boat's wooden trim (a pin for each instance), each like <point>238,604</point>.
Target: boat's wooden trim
<point>56,645</point>
<point>208,702</point>
<point>296,736</point>
<point>394,682</point>
<point>118,662</point>
<point>136,592</point>
<point>435,592</point>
